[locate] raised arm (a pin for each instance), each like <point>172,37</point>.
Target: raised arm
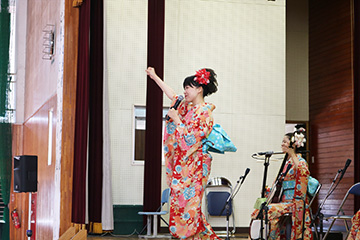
<point>164,87</point>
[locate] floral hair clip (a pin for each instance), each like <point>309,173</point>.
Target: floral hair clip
<point>202,76</point>
<point>299,138</point>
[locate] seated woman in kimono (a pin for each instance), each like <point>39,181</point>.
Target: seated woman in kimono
<point>355,227</point>
<point>294,194</point>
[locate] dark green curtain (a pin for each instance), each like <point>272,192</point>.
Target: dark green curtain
<point>5,172</point>
<point>4,55</point>
<point>5,128</point>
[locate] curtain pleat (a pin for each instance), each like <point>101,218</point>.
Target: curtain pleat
<point>96,115</point>
<point>356,81</point>
<point>107,218</point>
<point>154,103</point>
<point>81,117</point>
<point>89,167</point>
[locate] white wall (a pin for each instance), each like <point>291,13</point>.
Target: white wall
<point>243,41</point>
<point>126,42</point>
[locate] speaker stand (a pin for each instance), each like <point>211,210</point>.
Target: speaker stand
<point>29,231</point>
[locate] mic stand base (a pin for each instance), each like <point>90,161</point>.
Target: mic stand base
<point>227,220</point>
<point>227,206</point>
<point>319,215</point>
<point>263,216</point>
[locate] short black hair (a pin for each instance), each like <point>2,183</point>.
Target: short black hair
<point>208,89</point>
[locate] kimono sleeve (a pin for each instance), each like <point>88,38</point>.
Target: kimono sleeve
<point>189,136</point>
<point>302,178</point>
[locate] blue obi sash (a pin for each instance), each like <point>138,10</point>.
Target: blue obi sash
<point>218,141</point>
<point>289,189</point>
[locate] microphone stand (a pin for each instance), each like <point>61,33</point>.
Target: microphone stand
<point>266,166</point>
<point>319,214</point>
<point>227,204</point>
<point>264,209</point>
<point>264,206</point>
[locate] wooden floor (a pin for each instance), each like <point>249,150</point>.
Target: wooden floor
<point>133,237</point>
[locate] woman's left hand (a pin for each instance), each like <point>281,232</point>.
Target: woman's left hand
<point>173,113</point>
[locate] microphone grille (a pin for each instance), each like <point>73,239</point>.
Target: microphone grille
<point>181,97</point>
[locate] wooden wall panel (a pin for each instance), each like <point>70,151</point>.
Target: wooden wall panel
<point>41,75</point>
<point>36,143</point>
<point>40,96</point>
<point>36,132</point>
<point>18,200</point>
<point>331,96</point>
<point>31,138</point>
<point>69,101</point>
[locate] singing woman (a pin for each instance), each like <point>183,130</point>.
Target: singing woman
<point>187,164</point>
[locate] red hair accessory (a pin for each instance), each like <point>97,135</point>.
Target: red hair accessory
<point>202,76</point>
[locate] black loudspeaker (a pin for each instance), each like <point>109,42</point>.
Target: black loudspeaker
<point>25,173</point>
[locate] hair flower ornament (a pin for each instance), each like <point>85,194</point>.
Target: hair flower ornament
<point>299,138</point>
<point>202,76</point>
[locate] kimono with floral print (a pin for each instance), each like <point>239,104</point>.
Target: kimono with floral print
<point>292,201</point>
<point>355,227</point>
<point>188,169</point>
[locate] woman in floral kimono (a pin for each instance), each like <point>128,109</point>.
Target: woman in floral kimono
<point>355,227</point>
<point>294,194</point>
<point>187,164</point>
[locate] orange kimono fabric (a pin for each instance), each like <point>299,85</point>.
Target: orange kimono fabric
<point>355,227</point>
<point>187,169</point>
<point>292,201</point>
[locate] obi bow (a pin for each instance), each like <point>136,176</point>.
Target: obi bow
<point>218,141</point>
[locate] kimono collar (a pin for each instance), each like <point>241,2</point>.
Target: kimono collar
<point>203,105</point>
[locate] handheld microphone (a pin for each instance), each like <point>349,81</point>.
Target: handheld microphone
<point>175,106</point>
<point>344,170</point>
<point>246,173</point>
<point>269,153</point>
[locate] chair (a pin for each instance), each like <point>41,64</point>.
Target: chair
<point>340,215</point>
<point>312,198</point>
<point>217,191</point>
<point>159,212</point>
